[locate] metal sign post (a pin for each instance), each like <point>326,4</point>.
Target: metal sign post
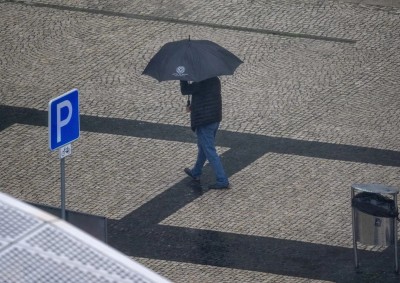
<point>64,128</point>
<point>64,151</point>
<point>63,188</point>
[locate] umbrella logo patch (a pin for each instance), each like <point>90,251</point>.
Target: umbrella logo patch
<point>180,72</point>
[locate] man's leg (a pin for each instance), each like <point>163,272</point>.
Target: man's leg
<point>206,140</point>
<point>201,159</point>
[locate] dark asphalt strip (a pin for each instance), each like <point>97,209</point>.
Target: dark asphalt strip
<point>185,22</point>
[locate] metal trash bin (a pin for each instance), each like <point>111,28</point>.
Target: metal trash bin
<point>374,216</point>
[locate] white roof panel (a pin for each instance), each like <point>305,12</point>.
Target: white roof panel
<point>40,248</point>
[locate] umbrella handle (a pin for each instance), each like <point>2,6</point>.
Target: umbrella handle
<point>188,108</point>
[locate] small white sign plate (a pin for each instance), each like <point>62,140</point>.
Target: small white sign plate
<point>65,150</point>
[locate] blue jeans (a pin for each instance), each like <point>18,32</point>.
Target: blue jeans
<point>206,151</point>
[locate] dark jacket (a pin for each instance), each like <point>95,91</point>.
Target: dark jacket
<point>206,105</point>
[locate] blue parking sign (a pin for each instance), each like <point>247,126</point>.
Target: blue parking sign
<point>64,126</point>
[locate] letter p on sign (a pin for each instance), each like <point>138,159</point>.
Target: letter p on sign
<point>64,125</point>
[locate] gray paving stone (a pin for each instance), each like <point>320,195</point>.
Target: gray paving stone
<point>322,72</point>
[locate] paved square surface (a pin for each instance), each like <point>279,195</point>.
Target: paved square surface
<point>314,108</point>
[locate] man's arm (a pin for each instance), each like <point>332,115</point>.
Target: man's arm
<point>188,89</point>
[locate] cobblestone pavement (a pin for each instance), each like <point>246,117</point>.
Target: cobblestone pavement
<point>314,108</point>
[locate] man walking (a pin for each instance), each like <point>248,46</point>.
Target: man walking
<point>205,116</point>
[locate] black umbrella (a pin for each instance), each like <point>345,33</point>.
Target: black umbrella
<point>191,60</point>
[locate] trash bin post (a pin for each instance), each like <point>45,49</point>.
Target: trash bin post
<point>374,217</point>
<point>396,237</point>
<point>354,231</point>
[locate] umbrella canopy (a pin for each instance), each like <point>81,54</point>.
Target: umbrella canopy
<point>191,60</point>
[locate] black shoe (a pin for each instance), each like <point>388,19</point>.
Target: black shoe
<point>189,173</point>
<point>219,187</point>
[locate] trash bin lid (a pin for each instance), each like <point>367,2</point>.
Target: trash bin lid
<point>376,188</point>
<point>375,204</point>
